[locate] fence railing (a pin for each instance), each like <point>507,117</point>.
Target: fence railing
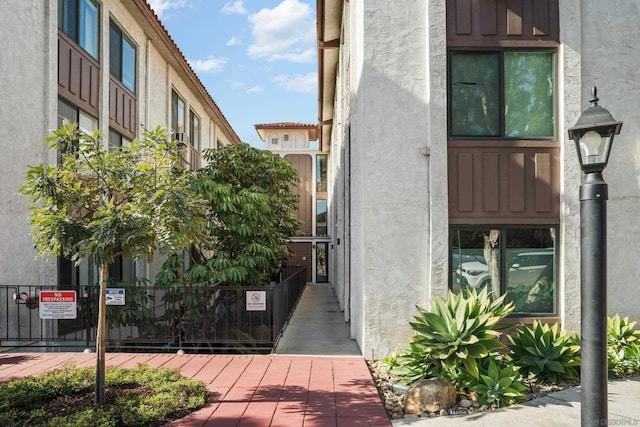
<point>149,318</point>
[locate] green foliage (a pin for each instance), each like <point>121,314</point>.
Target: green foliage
<point>544,353</point>
<point>250,217</point>
<point>623,346</point>
<point>129,201</point>
<point>450,340</point>
<point>498,385</point>
<point>166,396</point>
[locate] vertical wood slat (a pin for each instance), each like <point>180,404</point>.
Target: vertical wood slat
<point>514,17</point>
<point>487,22</point>
<point>488,10</point>
<point>465,182</point>
<point>303,164</point>
<point>540,16</point>
<point>122,109</point>
<point>78,76</point>
<point>516,182</point>
<point>542,182</point>
<point>491,182</point>
<point>463,16</point>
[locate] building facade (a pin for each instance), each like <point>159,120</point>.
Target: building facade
<point>445,123</point>
<point>108,65</point>
<point>312,246</point>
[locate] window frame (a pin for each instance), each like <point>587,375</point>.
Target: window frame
<point>176,100</point>
<point>194,131</point>
<point>118,71</point>
<point>75,33</point>
<point>500,51</point>
<point>504,260</point>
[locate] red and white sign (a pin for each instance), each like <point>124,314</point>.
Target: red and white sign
<point>58,305</point>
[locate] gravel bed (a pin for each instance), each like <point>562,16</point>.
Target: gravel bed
<point>467,403</point>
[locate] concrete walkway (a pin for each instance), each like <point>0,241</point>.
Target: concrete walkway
<point>317,326</point>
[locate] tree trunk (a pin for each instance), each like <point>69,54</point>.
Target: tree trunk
<point>100,334</point>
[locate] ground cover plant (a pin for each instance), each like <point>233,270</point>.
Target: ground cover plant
<point>140,396</point>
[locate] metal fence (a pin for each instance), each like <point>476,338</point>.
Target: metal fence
<point>148,318</point>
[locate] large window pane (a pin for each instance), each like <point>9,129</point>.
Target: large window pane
<point>128,65</point>
<point>321,217</point>
<point>88,35</point>
<point>115,52</point>
<point>530,269</point>
<point>475,94</point>
<point>529,94</point>
<point>68,17</point>
<point>321,173</point>
<point>475,260</point>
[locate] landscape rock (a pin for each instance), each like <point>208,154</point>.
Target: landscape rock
<point>430,395</point>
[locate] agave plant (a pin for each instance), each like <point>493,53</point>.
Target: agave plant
<point>623,346</point>
<point>459,331</point>
<point>499,386</point>
<point>411,365</point>
<point>544,353</point>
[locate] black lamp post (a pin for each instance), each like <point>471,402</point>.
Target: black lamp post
<point>593,136</point>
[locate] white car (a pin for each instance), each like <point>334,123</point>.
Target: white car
<point>526,269</point>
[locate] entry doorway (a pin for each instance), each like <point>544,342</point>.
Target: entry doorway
<point>322,262</point>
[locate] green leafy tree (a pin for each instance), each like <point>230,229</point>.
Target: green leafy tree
<point>132,201</point>
<point>250,217</point>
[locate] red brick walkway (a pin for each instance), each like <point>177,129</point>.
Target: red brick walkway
<point>255,391</point>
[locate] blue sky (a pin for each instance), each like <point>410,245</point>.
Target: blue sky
<point>257,58</point>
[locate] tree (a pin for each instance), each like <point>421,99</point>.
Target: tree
<point>132,201</point>
<point>250,218</point>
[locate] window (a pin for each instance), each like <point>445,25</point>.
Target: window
<point>177,113</point>
<point>321,217</point>
<point>69,113</point>
<point>519,261</point>
<point>116,140</point>
<point>194,130</point>
<point>502,93</point>
<point>274,141</point>
<point>321,173</point>
<point>286,138</point>
<point>122,58</point>
<point>78,19</point>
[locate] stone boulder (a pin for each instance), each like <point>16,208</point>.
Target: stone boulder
<point>429,395</point>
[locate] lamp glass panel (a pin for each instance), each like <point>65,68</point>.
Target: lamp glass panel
<point>592,148</point>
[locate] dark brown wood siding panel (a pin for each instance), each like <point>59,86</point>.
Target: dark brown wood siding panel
<point>304,163</point>
<point>504,184</point>
<point>301,255</point>
<point>502,23</point>
<point>78,76</point>
<point>122,109</point>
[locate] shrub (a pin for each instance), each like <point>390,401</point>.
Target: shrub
<point>544,353</point>
<point>450,340</point>
<point>623,346</point>
<point>153,397</point>
<point>499,385</point>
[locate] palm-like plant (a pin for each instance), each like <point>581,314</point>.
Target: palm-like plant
<point>460,330</point>
<point>544,353</point>
<point>499,386</point>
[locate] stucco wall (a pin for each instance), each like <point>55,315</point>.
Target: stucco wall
<point>390,221</point>
<point>27,112</point>
<point>610,61</point>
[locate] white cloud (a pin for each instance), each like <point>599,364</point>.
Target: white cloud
<point>237,85</point>
<point>160,6</point>
<point>286,32</point>
<point>255,89</point>
<point>233,41</point>
<point>209,65</point>
<point>234,7</point>
<point>303,83</point>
